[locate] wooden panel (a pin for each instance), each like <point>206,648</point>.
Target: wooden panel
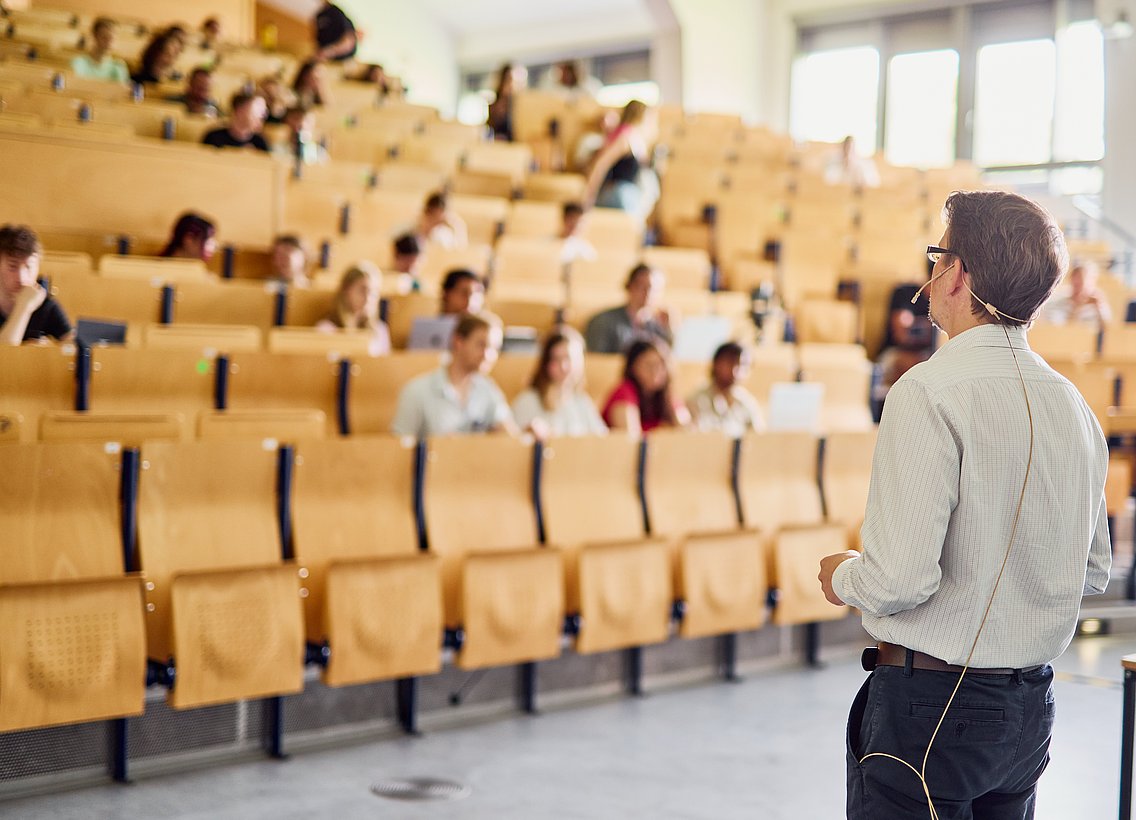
<point>151,381</point>
<point>334,345</point>
<point>263,381</point>
<point>267,426</point>
<point>225,303</point>
<point>721,579</point>
<point>109,187</point>
<point>688,483</point>
<point>797,555</point>
<point>36,379</point>
<point>846,476</point>
<point>208,339</point>
<point>128,430</point>
<point>59,513</point>
<point>625,596</point>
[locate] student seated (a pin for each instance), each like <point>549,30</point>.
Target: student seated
<point>908,339</point>
<point>26,311</point>
<point>439,225</point>
<point>157,62</point>
<point>289,261</point>
<point>210,33</point>
<point>1081,301</point>
<point>198,95</point>
<point>407,255</point>
<point>98,63</point>
<point>277,98</point>
<point>458,397</point>
<point>462,293</point>
<point>309,86</point>
<point>246,118</point>
<point>555,403</point>
<point>193,237</point>
<point>613,330</point>
<point>299,143</point>
<point>571,225</point>
<point>642,401</point>
<point>724,404</point>
<point>356,307</point>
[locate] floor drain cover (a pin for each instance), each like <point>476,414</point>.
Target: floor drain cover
<point>421,788</point>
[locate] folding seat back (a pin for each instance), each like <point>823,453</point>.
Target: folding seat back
<point>608,270</point>
<point>220,601</point>
<point>309,341</point>
<point>207,339</point>
<point>96,297</point>
<point>438,261</point>
<point>283,381</point>
<point>619,582</point>
<point>73,646</point>
<point>550,187</point>
<point>154,269</point>
<point>846,393</point>
<point>602,374</point>
<point>36,380</point>
<point>536,219</point>
<point>513,373</point>
<point>420,177</point>
<point>682,267</point>
<point>376,384</point>
<point>270,426</point>
<point>513,160</point>
<point>827,321</point>
<point>689,493</point>
<point>522,258</point>
<point>846,473</point>
<point>483,215</point>
<point>226,303</point>
<point>613,229</point>
<point>505,593</point>
<point>371,594</point>
<point>403,310</point>
<point>165,382</point>
<point>1063,341</point>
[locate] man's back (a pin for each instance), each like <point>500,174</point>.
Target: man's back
<point>948,470</point>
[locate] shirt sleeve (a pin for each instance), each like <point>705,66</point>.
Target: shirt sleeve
<point>1100,556</point>
<point>501,411</point>
<point>914,489</point>
<point>409,418</point>
<point>596,335</point>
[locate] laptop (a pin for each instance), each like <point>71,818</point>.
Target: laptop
<point>699,336</point>
<point>93,332</point>
<point>431,332</point>
<point>795,406</point>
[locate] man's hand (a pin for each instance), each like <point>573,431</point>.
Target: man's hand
<point>828,565</point>
<point>30,297</point>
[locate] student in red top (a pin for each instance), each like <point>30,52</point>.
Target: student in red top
<point>643,400</point>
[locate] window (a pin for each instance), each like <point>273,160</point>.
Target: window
<point>922,107</point>
<point>1013,103</point>
<point>1078,128</point>
<point>836,93</point>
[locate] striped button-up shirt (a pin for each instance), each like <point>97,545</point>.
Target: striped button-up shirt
<point>946,477</point>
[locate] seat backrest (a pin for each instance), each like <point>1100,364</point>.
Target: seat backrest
<point>513,373</point>
<point>602,374</point>
<point>35,380</point>
<point>589,490</point>
<point>538,219</point>
<point>438,261</point>
<point>827,321</point>
<point>59,512</point>
<point>846,473</point>
<point>128,300</point>
<point>269,426</point>
<point>402,312</point>
<point>278,381</point>
<point>226,303</point>
<point>777,480</point>
<point>846,394</point>
<point>477,498</point>
<point>204,505</point>
<point>376,384</point>
<point>124,380</point>
<point>688,483</point>
<point>308,341</point>
<point>682,267</point>
<point>1049,340</point>
<point>154,268</point>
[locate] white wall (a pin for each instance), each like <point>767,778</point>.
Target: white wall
<point>721,55</point>
<point>1119,164</point>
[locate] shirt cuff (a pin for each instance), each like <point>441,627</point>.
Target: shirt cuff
<point>838,576</point>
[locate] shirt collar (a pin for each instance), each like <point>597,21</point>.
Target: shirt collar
<point>985,335</point>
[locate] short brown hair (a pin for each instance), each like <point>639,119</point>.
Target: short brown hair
<point>19,241</point>
<point>103,23</point>
<point>1011,248</point>
<point>470,323</point>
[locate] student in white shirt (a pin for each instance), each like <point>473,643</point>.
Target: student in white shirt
<point>1082,302</point>
<point>458,397</point>
<point>555,403</point>
<point>99,63</point>
<point>439,225</point>
<point>724,404</point>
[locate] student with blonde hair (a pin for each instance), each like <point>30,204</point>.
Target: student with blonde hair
<point>356,307</point>
<point>555,403</point>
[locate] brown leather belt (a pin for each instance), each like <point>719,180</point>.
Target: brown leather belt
<point>890,654</point>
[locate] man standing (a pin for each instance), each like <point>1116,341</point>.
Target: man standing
<point>985,525</point>
<point>335,35</point>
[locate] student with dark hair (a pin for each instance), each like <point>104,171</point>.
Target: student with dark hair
<point>555,403</point>
<point>289,261</point>
<point>198,95</point>
<point>98,63</point>
<point>308,86</point>
<point>620,176</point>
<point>724,404</point>
<point>458,397</point>
<point>407,255</point>
<point>156,64</point>
<point>210,33</point>
<point>439,225</point>
<point>642,402</point>
<point>574,246</point>
<point>335,34</point>
<point>462,293</point>
<point>26,310</point>
<point>193,237</point>
<point>642,317</point>
<point>246,119</point>
<point>299,143</point>
<point>509,80</point>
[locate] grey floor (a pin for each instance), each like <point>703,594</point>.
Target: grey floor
<point>770,747</point>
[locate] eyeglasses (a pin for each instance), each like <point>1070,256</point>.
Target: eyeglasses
<point>935,253</point>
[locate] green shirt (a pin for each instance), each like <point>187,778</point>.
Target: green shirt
<point>108,68</point>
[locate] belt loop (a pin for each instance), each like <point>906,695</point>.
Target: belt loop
<point>1018,677</point>
<point>908,663</point>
